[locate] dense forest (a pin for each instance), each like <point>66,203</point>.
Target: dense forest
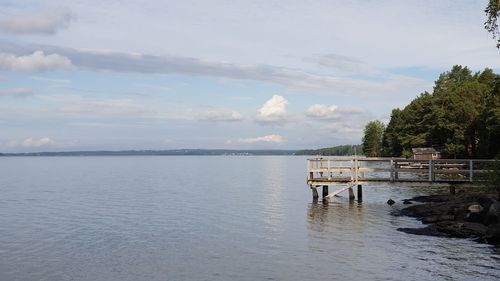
<point>460,118</point>
<point>340,150</point>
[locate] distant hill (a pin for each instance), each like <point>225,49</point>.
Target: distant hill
<point>340,150</point>
<point>173,152</point>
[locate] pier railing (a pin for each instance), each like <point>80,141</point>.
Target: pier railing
<point>356,169</point>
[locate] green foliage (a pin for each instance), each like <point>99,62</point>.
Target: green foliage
<point>493,13</point>
<point>461,117</point>
<point>340,150</point>
<point>372,139</point>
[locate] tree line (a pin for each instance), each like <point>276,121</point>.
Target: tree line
<point>340,150</point>
<point>460,118</point>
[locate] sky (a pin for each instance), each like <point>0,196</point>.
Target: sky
<point>120,75</point>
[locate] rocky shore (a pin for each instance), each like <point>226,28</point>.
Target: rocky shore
<point>464,215</point>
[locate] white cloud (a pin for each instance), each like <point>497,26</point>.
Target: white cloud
<point>37,61</point>
<point>321,111</point>
<point>275,139</point>
<point>30,142</point>
<point>16,92</point>
<point>333,112</point>
<point>219,116</point>
<point>37,24</point>
<point>273,110</point>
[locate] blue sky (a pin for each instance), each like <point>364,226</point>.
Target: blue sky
<point>88,75</point>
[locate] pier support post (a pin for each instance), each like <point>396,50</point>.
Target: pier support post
<point>325,190</point>
<point>315,194</point>
<point>452,190</point>
<point>360,193</point>
<point>351,194</point>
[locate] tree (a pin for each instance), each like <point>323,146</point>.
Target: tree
<point>493,13</point>
<point>391,141</point>
<point>372,139</point>
<point>461,117</point>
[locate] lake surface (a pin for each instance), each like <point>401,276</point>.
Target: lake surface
<point>210,218</point>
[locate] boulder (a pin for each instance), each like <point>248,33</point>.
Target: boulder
<point>475,208</point>
<point>476,213</point>
<point>437,218</point>
<point>391,202</point>
<point>493,214</point>
<point>494,209</point>
<point>492,235</point>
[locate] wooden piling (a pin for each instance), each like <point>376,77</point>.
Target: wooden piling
<point>360,193</point>
<point>351,194</point>
<point>315,194</point>
<point>325,190</point>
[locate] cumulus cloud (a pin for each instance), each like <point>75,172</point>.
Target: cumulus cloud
<point>332,112</point>
<point>37,24</point>
<point>321,111</point>
<point>273,110</point>
<point>274,139</point>
<point>37,61</point>
<point>16,92</point>
<point>219,116</point>
<point>30,142</point>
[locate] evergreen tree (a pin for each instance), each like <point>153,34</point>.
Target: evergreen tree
<point>372,139</point>
<point>461,117</point>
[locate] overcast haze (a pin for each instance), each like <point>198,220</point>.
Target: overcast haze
<point>116,75</point>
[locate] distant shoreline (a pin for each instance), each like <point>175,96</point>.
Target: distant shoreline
<point>344,150</point>
<point>176,152</point>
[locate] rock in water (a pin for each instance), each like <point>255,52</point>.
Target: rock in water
<point>391,202</point>
<point>493,234</point>
<point>406,202</point>
<point>475,209</point>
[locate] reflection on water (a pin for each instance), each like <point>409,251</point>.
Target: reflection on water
<point>361,242</point>
<point>274,183</point>
<point>329,217</point>
<point>210,218</point>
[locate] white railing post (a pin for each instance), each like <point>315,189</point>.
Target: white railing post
<point>392,170</point>
<point>356,169</point>
<point>471,170</point>
<point>352,171</point>
<point>431,170</point>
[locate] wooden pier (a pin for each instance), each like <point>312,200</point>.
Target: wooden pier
<point>356,171</point>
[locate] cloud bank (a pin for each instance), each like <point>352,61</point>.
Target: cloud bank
<point>30,142</point>
<point>272,139</point>
<point>37,24</point>
<point>293,79</point>
<point>16,92</point>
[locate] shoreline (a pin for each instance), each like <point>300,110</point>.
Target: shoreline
<point>464,215</point>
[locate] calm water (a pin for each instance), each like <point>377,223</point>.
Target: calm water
<point>209,218</point>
